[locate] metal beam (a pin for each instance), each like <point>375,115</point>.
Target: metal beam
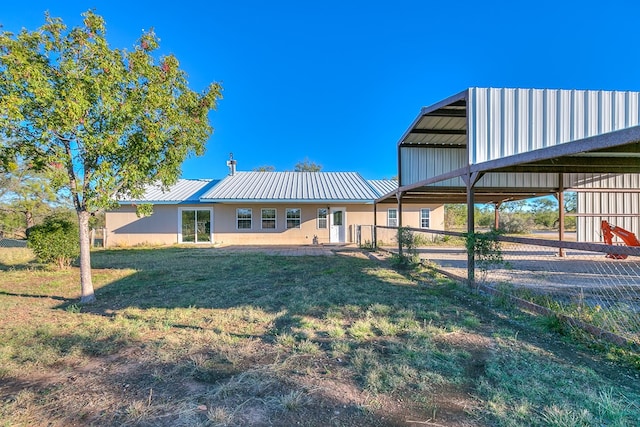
<point>448,112</point>
<point>433,145</point>
<point>600,142</point>
<point>440,131</point>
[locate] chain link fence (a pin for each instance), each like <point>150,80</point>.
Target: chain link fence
<point>592,286</point>
<point>12,243</point>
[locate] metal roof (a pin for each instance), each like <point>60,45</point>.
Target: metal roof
<point>383,186</point>
<point>183,191</point>
<point>292,186</point>
<point>516,131</point>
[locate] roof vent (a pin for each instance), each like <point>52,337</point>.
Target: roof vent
<point>231,164</point>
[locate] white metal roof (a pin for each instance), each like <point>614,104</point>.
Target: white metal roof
<point>292,186</point>
<point>384,186</point>
<point>517,142</point>
<point>183,191</point>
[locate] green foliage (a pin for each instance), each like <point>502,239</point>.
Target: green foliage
<point>485,248</point>
<point>367,245</point>
<point>455,216</point>
<point>55,241</point>
<point>145,209</point>
<point>26,195</point>
<point>108,121</point>
<point>265,168</point>
<point>485,216</point>
<point>307,166</point>
<point>408,243</point>
<point>516,222</point>
<point>103,122</point>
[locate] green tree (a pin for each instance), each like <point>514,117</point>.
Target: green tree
<point>27,192</point>
<point>265,168</point>
<point>455,216</point>
<point>545,211</point>
<point>307,166</point>
<point>105,121</point>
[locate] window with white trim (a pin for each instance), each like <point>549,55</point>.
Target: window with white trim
<point>322,218</point>
<point>293,217</point>
<point>268,218</point>
<point>392,217</point>
<point>425,214</point>
<point>243,218</point>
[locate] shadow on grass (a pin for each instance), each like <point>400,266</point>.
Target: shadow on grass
<point>186,327</point>
<point>68,301</point>
<point>209,278</point>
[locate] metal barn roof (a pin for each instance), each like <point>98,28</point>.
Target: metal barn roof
<point>292,186</point>
<point>515,143</point>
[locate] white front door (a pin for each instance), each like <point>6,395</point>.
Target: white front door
<point>337,225</point>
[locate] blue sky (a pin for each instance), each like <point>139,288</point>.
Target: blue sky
<point>338,82</point>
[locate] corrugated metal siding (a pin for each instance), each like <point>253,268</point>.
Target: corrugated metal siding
<point>249,186</point>
<point>601,204</point>
<point>584,180</point>
<point>519,180</point>
<point>185,190</point>
<point>420,163</point>
<point>504,122</point>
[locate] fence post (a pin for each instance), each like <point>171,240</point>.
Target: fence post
<point>374,227</point>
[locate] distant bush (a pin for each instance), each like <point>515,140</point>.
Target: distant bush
<point>56,240</point>
<point>515,224</point>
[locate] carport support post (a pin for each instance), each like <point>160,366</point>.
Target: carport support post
<point>374,232</point>
<point>496,215</point>
<point>560,197</point>
<point>470,179</point>
<point>399,195</point>
<point>471,260</point>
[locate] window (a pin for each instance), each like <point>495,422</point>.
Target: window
<point>392,218</point>
<point>293,217</point>
<point>424,217</point>
<point>243,218</point>
<point>322,218</point>
<point>337,218</point>
<point>268,218</point>
<point>195,225</point>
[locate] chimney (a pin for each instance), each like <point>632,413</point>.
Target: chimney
<point>231,164</point>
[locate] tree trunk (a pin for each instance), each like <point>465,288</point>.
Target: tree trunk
<point>86,284</point>
<point>29,219</point>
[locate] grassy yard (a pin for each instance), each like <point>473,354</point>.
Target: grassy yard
<point>203,337</point>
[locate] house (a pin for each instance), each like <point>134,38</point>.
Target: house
<point>263,208</point>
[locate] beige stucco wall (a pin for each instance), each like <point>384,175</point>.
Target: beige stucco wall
<point>410,218</point>
<point>126,229</point>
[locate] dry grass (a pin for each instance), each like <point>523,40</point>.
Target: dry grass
<point>188,336</point>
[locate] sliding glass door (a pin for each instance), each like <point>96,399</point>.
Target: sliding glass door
<point>195,225</point>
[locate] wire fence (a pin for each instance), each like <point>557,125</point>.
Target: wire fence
<point>592,286</point>
<point>12,243</point>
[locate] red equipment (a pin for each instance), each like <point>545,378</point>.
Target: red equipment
<point>627,237</point>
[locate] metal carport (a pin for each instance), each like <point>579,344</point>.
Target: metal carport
<point>488,145</point>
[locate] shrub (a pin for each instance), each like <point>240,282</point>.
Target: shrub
<point>515,224</point>
<point>56,240</point>
<point>486,249</point>
<point>409,243</point>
